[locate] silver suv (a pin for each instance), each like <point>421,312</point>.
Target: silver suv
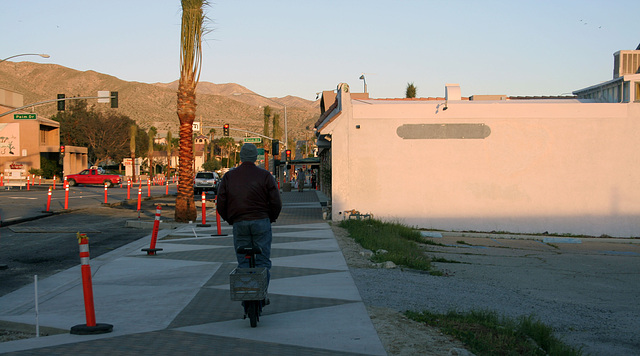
<point>206,181</point>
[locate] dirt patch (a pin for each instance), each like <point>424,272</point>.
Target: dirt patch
<point>399,334</point>
<point>10,331</point>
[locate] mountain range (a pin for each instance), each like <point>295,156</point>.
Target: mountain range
<point>155,104</point>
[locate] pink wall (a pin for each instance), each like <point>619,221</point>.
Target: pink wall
<point>560,167</point>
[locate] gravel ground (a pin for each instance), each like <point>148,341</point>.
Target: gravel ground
<point>591,307</point>
<point>398,334</point>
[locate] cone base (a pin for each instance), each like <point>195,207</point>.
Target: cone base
<point>83,329</point>
<point>151,251</point>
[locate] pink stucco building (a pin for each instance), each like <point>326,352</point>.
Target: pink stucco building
<point>490,163</point>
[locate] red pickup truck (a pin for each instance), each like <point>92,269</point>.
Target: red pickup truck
<point>93,176</point>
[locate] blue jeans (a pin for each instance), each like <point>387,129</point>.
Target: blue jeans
<point>260,230</point>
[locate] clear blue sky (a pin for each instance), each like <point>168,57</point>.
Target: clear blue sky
<point>300,47</point>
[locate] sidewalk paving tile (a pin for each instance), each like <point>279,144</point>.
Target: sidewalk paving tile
<point>178,301</point>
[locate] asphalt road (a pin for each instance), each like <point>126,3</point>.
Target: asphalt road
<point>36,243</point>
<point>20,204</point>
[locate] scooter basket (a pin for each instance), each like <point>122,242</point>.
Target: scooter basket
<point>248,283</point>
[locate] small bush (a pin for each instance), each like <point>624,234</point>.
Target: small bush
<point>487,333</point>
<point>48,168</point>
<point>398,240</point>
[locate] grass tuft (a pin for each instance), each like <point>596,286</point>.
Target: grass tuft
<point>483,332</point>
<point>398,240</point>
<point>487,333</point>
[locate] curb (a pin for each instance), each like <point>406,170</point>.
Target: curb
<point>147,224</point>
<point>543,238</point>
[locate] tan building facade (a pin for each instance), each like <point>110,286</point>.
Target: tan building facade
<point>25,140</point>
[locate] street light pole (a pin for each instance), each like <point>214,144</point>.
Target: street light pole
<point>51,101</point>
<point>365,82</point>
<point>43,55</point>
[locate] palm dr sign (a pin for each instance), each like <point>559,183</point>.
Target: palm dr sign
<point>24,116</point>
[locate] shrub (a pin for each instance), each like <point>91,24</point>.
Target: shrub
<point>398,240</point>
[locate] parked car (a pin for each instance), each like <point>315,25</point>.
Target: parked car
<point>206,181</point>
<point>94,176</point>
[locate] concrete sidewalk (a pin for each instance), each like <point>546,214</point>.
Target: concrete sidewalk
<point>178,301</point>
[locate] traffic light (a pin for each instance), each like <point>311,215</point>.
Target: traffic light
<point>275,147</point>
<point>61,150</point>
<point>60,102</point>
<point>288,155</point>
<point>114,99</point>
<point>225,129</point>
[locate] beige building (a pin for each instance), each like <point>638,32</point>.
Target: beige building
<point>26,138</point>
<point>625,85</point>
<point>491,163</point>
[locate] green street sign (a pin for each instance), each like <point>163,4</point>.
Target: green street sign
<point>24,116</point>
<point>252,140</point>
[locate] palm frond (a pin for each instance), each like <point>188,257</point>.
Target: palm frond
<point>191,35</point>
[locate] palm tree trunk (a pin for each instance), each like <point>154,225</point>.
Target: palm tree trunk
<point>192,30</point>
<point>133,130</point>
<point>185,206</point>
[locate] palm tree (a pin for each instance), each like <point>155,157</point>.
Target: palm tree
<point>192,31</point>
<point>227,144</point>
<point>169,148</point>
<point>133,130</point>
<point>265,128</point>
<point>277,132</point>
<point>152,135</point>
<point>212,133</point>
<point>411,91</point>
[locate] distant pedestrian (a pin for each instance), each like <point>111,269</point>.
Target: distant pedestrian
<point>301,179</point>
<point>249,199</point>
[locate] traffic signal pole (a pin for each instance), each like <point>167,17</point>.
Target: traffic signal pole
<point>51,101</point>
<point>239,130</point>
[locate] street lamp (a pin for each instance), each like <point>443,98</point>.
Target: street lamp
<point>43,55</point>
<point>365,82</point>
<point>279,103</point>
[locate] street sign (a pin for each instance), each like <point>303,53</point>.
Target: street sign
<point>252,140</point>
<point>24,116</point>
<point>104,96</point>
